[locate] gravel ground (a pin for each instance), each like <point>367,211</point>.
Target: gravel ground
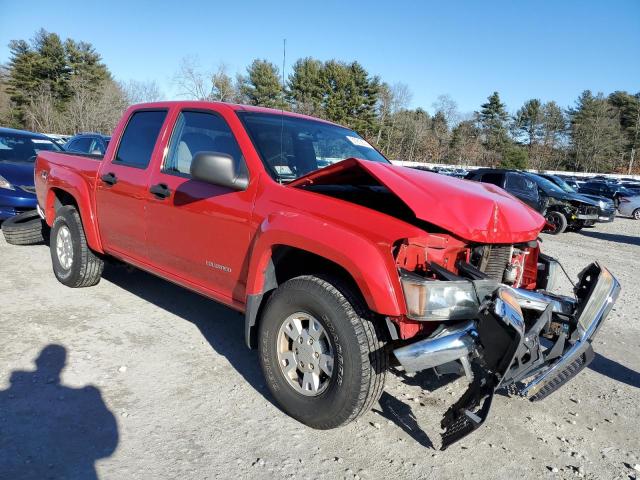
<point>158,384</point>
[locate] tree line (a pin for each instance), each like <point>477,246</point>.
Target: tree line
<point>63,86</point>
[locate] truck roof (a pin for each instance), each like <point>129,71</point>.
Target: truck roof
<point>233,106</point>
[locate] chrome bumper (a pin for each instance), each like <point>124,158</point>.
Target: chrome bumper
<point>593,309</point>
<point>498,349</point>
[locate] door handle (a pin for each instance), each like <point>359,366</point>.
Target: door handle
<point>109,178</point>
<point>160,190</point>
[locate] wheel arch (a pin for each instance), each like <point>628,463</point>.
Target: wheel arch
<point>58,197</point>
<point>279,255</point>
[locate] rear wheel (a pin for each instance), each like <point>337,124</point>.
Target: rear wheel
<point>25,229</point>
<point>636,214</point>
<point>559,222</point>
<point>74,264</point>
<point>321,352</point>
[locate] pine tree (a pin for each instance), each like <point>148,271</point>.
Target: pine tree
<point>596,135</point>
<point>493,119</point>
<point>306,87</point>
<point>527,125</point>
<point>629,108</point>
<point>46,68</point>
<point>262,85</point>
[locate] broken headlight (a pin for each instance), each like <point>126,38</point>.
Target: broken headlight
<point>429,300</point>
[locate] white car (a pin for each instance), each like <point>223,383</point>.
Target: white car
<point>630,207</point>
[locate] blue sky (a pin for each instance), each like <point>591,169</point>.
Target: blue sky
<point>550,50</point>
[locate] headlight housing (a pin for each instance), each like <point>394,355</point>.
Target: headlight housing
<point>4,183</point>
<point>434,300</point>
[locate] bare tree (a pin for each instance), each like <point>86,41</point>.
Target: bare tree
<point>449,107</point>
<point>141,92</point>
<point>192,81</point>
<point>223,89</point>
<point>40,113</point>
<point>94,109</point>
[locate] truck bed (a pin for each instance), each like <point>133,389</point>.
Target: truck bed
<point>66,170</point>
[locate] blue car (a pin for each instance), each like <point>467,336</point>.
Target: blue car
<point>18,150</point>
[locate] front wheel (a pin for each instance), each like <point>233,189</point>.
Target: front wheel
<point>74,264</point>
<point>321,352</point>
<point>636,214</point>
<point>559,222</point>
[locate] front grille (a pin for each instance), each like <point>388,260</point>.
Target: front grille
<point>587,210</point>
<point>495,259</point>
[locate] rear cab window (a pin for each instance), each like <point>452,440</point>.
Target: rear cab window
<point>139,138</point>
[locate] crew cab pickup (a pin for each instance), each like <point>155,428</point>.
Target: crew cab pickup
<point>341,262</point>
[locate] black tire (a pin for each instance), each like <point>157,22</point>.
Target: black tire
<point>636,214</point>
<point>361,359</point>
<point>25,229</point>
<point>558,220</point>
<point>86,267</point>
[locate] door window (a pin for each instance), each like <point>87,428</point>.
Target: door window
<point>139,138</point>
<point>199,132</point>
<point>81,145</point>
<point>97,147</point>
<point>519,183</point>
<point>493,178</point>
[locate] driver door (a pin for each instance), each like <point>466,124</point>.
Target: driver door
<point>199,231</point>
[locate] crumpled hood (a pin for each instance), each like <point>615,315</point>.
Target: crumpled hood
<point>473,211</point>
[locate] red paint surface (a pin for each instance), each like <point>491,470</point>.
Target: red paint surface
<point>201,223</point>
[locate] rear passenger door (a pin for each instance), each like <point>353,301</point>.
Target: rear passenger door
<point>123,183</point>
<point>199,231</point>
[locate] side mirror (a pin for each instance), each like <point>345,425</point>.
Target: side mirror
<point>218,169</point>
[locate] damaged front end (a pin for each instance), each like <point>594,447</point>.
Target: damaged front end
<point>500,336</point>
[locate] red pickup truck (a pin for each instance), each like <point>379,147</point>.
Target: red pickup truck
<point>341,262</point>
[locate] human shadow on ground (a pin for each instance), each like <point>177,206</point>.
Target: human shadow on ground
<point>222,327</point>
<point>615,371</point>
<point>50,430</point>
<point>612,237</point>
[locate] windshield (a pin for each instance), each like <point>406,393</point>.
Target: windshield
<point>546,185</point>
<point>23,148</point>
<point>291,147</point>
<point>563,185</point>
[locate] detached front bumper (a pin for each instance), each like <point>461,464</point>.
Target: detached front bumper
<point>534,342</point>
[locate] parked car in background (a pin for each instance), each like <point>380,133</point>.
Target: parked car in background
<point>18,150</point>
<point>561,209</point>
<point>92,143</point>
<point>606,207</point>
<point>630,207</point>
<point>58,138</point>
<point>611,190</point>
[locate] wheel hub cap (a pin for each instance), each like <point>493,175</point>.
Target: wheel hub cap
<point>305,354</point>
<point>64,247</point>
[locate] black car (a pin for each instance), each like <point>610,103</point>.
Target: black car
<point>606,207</point>
<point>93,143</point>
<point>561,209</point>
<point>606,189</point>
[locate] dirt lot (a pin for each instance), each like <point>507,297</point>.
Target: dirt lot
<point>158,384</point>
